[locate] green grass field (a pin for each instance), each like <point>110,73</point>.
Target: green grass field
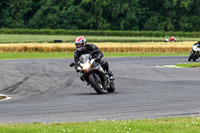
<point>15,38</point>
<point>191,65</point>
<point>167,125</point>
<point>70,55</point>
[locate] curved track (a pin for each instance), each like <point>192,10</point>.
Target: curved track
<point>48,90</point>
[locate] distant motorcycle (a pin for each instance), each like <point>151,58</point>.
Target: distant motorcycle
<point>93,73</point>
<point>194,53</point>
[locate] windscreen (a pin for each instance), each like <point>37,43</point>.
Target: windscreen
<point>84,58</point>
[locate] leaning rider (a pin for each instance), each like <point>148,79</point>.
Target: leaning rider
<point>172,39</point>
<point>198,44</point>
<point>83,48</point>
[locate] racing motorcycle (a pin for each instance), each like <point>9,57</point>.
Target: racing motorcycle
<point>93,73</point>
<point>194,53</point>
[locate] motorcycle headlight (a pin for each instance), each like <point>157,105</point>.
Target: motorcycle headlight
<point>195,48</point>
<point>86,66</point>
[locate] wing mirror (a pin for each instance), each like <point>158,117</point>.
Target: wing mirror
<point>72,64</point>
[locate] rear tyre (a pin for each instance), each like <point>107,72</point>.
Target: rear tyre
<point>96,83</point>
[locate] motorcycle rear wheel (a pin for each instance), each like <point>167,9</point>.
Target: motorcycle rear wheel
<point>96,83</point>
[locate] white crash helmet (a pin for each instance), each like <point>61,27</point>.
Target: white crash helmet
<point>80,43</point>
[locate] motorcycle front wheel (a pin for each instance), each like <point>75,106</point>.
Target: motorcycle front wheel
<point>195,57</point>
<point>96,83</point>
<point>191,56</point>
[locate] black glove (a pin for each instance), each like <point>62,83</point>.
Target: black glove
<point>76,67</point>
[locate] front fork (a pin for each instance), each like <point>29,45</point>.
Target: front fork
<point>104,77</point>
<point>197,54</point>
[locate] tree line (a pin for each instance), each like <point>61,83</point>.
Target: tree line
<point>139,15</point>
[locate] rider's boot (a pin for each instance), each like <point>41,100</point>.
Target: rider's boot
<point>82,78</point>
<point>110,73</point>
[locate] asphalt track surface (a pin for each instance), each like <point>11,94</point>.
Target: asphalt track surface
<point>48,90</point>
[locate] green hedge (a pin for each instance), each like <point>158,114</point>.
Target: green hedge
<point>100,33</point>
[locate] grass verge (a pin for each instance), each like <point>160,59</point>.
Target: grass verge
<point>167,125</point>
<point>25,38</point>
<point>2,97</point>
<point>189,65</point>
<point>38,55</point>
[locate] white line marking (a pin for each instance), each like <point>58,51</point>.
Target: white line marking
<point>5,98</point>
<point>168,66</point>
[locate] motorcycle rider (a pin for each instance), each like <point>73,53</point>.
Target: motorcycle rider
<point>83,48</point>
<point>198,44</point>
<point>194,53</point>
<point>171,39</point>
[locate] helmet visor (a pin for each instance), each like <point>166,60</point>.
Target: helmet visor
<point>78,45</point>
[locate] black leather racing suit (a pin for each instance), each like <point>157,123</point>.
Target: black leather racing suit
<point>95,53</point>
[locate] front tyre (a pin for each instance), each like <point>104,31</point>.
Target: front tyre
<point>195,57</point>
<point>96,83</point>
<point>191,56</point>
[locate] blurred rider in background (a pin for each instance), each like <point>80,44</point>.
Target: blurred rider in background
<point>171,39</point>
<point>93,50</point>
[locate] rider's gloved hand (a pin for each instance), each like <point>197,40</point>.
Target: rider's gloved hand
<point>76,67</point>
